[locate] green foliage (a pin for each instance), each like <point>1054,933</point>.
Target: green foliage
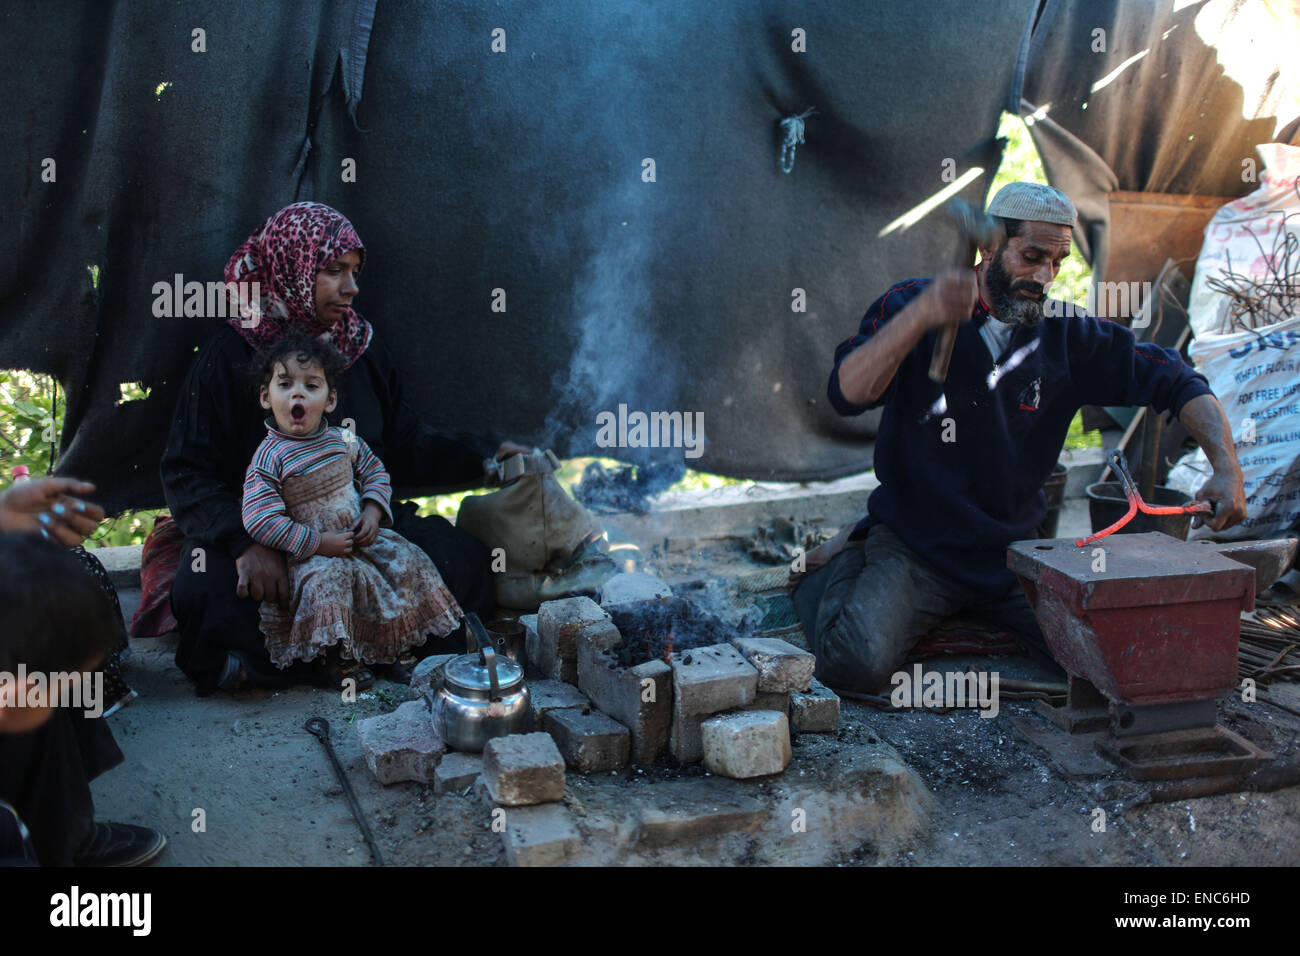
<point>30,420</point>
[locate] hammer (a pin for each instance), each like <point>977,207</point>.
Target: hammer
<point>979,229</point>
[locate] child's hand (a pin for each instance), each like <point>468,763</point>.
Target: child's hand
<point>366,528</point>
<point>335,544</point>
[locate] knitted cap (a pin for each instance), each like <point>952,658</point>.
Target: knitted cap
<point>1033,202</point>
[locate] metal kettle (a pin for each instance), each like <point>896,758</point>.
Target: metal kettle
<point>482,695</point>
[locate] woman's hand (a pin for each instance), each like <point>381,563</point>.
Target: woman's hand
<point>509,448</point>
<point>262,574</point>
<point>366,528</point>
<point>45,506</point>
<point>336,544</point>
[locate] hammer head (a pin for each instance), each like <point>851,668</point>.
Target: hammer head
<point>976,225</point>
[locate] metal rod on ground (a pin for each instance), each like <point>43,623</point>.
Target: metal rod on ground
<point>319,728</point>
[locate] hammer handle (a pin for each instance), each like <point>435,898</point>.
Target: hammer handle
<point>943,353</point>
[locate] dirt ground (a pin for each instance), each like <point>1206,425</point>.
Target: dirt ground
<point>268,796</point>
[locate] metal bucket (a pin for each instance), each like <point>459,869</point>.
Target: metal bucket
<point>1107,504</point>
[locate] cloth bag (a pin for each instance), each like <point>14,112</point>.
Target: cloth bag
<point>532,519</point>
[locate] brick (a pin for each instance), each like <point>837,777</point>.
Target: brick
<point>540,836</point>
<point>777,702</point>
<point>658,827</point>
<point>621,693</point>
<point>427,675</point>
<point>708,680</point>
<point>564,669</point>
<point>632,586</point>
<point>547,695</point>
<point>456,772</point>
<point>815,712</point>
<point>402,745</point>
<point>752,743</point>
<point>588,740</point>
<point>531,646</point>
<point>685,740</point>
<point>781,666</point>
<point>523,769</point>
<point>559,623</point>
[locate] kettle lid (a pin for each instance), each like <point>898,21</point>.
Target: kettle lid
<point>468,672</point>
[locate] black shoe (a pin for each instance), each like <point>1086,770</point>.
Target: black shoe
<point>119,844</point>
<point>233,675</point>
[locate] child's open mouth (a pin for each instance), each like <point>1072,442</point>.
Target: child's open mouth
<point>298,413</point>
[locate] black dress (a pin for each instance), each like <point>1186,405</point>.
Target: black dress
<point>217,427</point>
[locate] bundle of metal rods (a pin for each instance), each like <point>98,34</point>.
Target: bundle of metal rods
<point>1256,302</point>
<point>1270,644</point>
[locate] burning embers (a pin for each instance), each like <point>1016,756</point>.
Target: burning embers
<point>665,629</point>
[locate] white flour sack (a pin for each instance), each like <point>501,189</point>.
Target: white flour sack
<point>1243,237</point>
<point>1256,375</point>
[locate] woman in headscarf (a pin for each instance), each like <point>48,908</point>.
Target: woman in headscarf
<point>306,260</point>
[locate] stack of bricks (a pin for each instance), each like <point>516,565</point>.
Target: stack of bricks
<point>601,715</point>
<point>665,707</point>
<point>523,781</point>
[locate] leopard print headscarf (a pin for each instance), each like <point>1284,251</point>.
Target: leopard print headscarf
<point>283,255</point>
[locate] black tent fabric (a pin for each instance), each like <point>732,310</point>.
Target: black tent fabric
<point>1149,97</point>
<point>519,175</point>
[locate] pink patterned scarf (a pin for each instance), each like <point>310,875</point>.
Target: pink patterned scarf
<point>283,255</point>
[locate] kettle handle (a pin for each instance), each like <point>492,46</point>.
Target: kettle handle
<point>486,653</point>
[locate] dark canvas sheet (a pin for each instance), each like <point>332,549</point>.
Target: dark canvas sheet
<point>519,171</point>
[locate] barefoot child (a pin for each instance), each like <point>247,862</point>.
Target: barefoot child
<point>357,591</point>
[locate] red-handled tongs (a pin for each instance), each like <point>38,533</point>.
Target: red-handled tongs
<point>1135,503</point>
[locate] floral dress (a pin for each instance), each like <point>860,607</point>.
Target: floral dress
<point>373,604</point>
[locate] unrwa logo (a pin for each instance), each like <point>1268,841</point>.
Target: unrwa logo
<point>1267,340</point>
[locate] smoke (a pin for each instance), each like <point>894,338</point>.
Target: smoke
<point>618,355</point>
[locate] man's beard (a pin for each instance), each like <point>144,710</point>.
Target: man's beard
<point>1008,304</point>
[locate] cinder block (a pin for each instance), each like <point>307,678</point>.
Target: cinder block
<point>640,698</point>
<point>781,666</point>
<point>402,745</point>
<point>632,586</point>
<point>547,695</point>
<point>427,676</point>
<point>588,740</point>
<point>707,680</point>
<point>815,712</point>
<point>540,836</point>
<point>751,743</point>
<point>457,771</point>
<point>523,769</point>
<point>558,625</point>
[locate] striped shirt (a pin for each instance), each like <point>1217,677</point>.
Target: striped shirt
<point>281,456</point>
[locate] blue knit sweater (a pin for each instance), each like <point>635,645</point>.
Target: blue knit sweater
<point>962,465</point>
